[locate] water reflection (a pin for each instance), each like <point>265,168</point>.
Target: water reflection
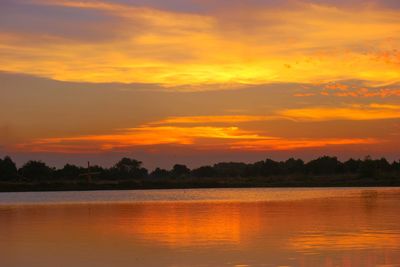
<point>357,230</point>
<point>180,225</point>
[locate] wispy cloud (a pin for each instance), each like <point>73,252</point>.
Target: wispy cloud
<point>338,89</point>
<point>213,119</point>
<point>200,138</point>
<point>351,112</point>
<point>136,137</point>
<point>302,143</point>
<point>302,42</point>
<point>185,131</point>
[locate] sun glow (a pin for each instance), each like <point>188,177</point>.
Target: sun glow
<point>198,137</point>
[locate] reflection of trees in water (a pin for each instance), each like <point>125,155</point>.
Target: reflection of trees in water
<point>369,199</point>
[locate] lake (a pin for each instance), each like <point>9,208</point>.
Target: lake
<point>202,227</point>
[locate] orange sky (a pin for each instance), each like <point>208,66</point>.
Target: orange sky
<point>198,81</point>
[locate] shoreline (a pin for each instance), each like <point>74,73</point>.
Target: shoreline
<point>148,185</point>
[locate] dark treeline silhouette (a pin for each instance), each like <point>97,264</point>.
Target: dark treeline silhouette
<point>129,173</point>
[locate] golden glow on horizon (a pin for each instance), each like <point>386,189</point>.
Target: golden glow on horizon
<point>354,112</point>
<point>93,144</point>
<point>140,136</point>
<point>304,43</point>
<point>164,132</point>
<point>292,144</point>
<point>224,132</point>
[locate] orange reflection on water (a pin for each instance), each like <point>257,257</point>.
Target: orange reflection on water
<point>185,224</point>
<point>341,230</point>
<point>320,242</point>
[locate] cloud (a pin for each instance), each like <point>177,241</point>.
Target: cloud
<point>302,143</point>
<point>368,93</point>
<point>213,119</point>
<point>238,44</point>
<point>304,94</point>
<point>354,89</point>
<point>336,86</point>
<point>265,116</point>
<point>136,137</point>
<point>211,138</point>
<point>352,112</point>
<point>365,92</point>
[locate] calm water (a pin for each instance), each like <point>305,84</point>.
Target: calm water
<point>217,227</point>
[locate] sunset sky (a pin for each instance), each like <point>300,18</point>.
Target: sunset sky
<point>198,81</point>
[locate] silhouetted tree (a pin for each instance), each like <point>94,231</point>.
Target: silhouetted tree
<point>97,172</point>
<point>253,170</point>
<point>382,165</point>
<point>127,164</point>
<point>271,167</point>
<point>291,170</point>
<point>263,168</point>
<point>70,172</point>
<point>8,169</point>
<point>396,166</point>
<point>129,168</point>
<point>179,171</point>
<point>292,166</point>
<point>36,171</point>
<point>351,166</point>
<point>230,169</point>
<point>324,165</point>
<point>367,168</point>
<point>204,171</point>
<point>159,173</point>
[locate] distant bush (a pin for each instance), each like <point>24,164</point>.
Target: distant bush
<point>293,170</point>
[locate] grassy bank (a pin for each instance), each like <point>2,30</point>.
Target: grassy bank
<point>149,183</point>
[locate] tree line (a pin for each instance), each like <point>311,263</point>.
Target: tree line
<point>131,169</point>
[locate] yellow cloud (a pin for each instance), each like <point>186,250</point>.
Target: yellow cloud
<point>365,92</point>
<point>292,144</point>
<point>140,136</point>
<point>371,111</point>
<point>344,90</point>
<point>354,112</point>
<point>205,138</point>
<point>304,43</point>
<point>213,119</point>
